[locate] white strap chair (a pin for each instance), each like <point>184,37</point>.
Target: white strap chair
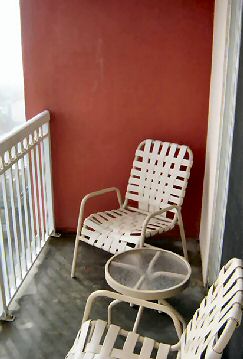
<point>206,335</point>
<point>155,193</point>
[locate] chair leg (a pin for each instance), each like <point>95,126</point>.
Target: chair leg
<point>182,326</point>
<point>111,305</point>
<point>75,255</point>
<point>183,237</point>
<point>138,318</point>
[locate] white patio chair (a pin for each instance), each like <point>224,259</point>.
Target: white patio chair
<point>155,193</point>
<point>206,335</point>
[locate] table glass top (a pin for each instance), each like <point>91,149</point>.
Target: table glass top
<point>149,269</point>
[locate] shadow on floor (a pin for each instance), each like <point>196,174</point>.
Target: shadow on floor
<point>49,307</point>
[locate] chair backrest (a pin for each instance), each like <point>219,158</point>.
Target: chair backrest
<point>219,314</point>
<point>159,175</point>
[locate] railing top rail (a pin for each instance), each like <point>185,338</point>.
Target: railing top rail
<point>20,133</point>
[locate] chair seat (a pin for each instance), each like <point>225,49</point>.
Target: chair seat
<point>96,339</point>
<point>118,230</point>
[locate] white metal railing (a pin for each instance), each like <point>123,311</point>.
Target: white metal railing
<point>26,202</point>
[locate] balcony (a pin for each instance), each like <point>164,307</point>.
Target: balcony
<point>112,74</point>
<point>49,307</point>
<point>35,267</point>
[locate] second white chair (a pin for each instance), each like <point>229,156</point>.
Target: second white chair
<point>206,335</point>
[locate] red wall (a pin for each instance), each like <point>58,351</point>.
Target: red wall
<point>113,73</point>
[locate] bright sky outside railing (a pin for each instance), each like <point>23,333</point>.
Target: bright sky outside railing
<point>12,106</point>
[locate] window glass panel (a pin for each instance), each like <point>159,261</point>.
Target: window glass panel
<point>12,107</point>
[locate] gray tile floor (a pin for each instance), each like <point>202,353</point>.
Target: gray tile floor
<point>50,305</point>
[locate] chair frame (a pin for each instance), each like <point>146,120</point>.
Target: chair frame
<point>124,205</point>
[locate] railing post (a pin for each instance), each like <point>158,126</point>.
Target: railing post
<point>49,184</point>
<point>5,314</point>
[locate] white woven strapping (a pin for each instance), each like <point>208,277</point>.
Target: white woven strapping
<point>96,340</point>
<point>223,303</point>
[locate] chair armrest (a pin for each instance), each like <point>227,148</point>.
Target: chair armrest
<point>103,191</point>
<point>130,300</point>
<point>95,194</point>
<point>154,214</point>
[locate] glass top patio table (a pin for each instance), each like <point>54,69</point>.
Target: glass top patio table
<point>148,273</point>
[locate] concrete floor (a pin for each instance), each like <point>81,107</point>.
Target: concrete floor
<point>50,305</point>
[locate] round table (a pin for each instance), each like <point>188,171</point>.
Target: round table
<point>149,274</point>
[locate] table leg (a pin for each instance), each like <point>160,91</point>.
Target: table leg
<point>138,317</point>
